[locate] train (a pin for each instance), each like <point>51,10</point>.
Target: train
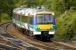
<point>38,22</point>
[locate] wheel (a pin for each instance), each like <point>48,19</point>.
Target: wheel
<point>37,37</point>
<point>30,33</point>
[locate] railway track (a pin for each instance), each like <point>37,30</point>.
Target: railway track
<point>17,37</point>
<point>5,43</point>
<point>45,45</point>
<point>16,42</point>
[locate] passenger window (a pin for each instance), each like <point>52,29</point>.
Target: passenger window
<point>31,20</point>
<point>24,18</point>
<point>17,17</point>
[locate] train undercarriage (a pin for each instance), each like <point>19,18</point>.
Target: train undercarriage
<point>44,36</point>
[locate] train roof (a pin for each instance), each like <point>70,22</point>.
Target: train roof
<point>30,11</point>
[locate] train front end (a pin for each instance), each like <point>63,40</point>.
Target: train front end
<point>44,25</point>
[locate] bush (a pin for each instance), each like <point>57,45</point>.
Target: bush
<point>67,27</point>
<point>5,17</point>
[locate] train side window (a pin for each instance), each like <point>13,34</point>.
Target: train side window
<point>31,20</point>
<point>17,17</point>
<point>24,18</point>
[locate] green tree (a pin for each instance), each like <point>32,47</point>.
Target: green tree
<point>7,6</point>
<point>58,6</point>
<point>68,25</point>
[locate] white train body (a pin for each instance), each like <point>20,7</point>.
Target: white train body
<point>38,21</point>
